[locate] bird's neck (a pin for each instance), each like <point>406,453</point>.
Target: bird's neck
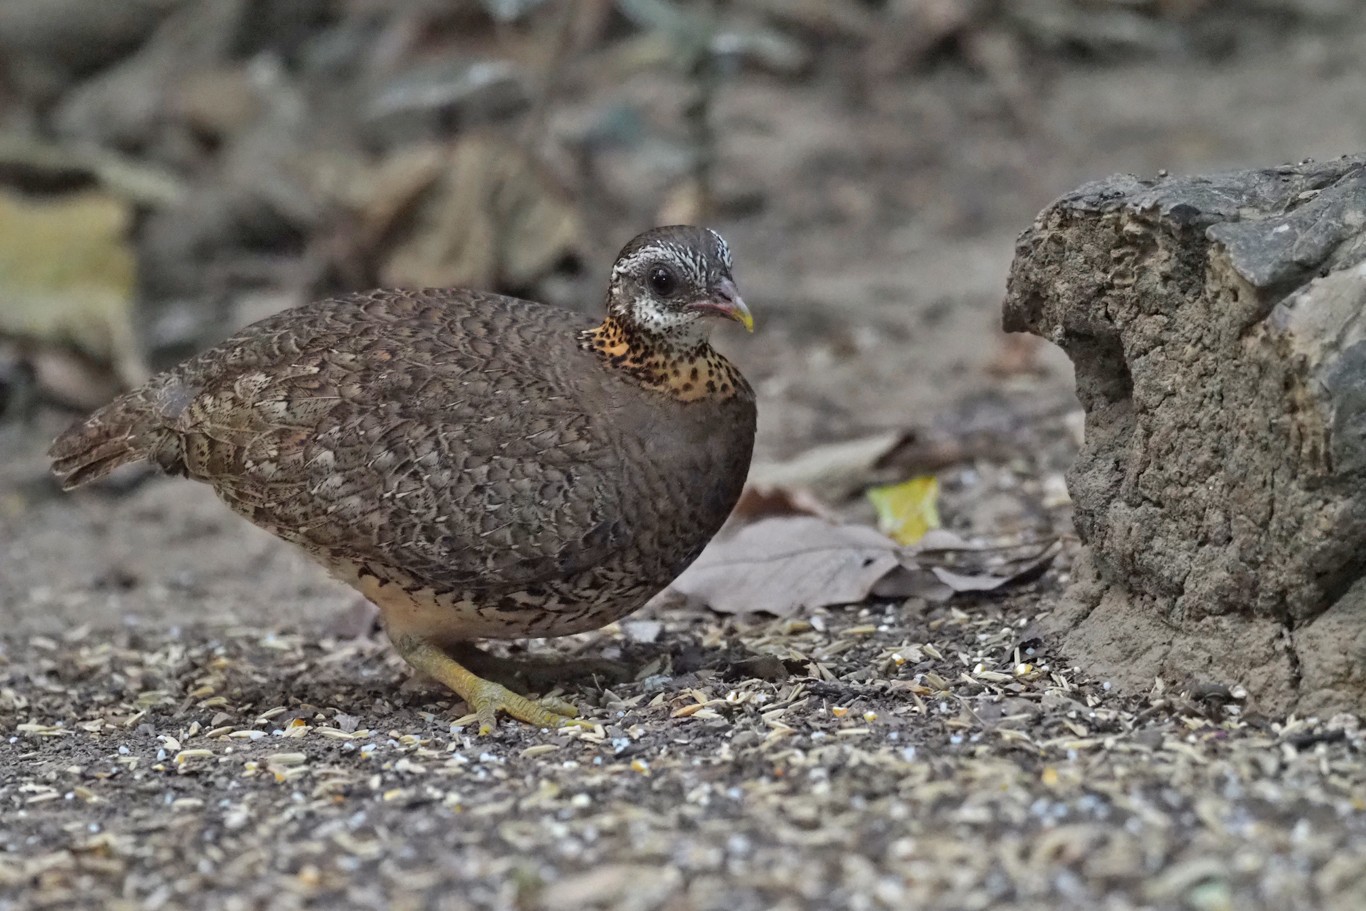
<point>689,370</point>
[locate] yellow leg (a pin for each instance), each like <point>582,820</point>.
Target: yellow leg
<point>484,697</point>
<point>539,672</point>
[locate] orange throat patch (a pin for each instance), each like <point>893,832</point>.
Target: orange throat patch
<point>687,374</point>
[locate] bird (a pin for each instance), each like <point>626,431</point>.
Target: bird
<point>476,465</point>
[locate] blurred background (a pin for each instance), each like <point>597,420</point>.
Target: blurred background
<point>173,169</point>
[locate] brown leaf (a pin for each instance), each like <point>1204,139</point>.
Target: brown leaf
<point>908,581</point>
<point>834,470</point>
<point>481,214</point>
<point>786,564</point>
<point>963,582</point>
<point>761,501</point>
<point>1026,570</point>
<point>783,565</point>
<point>30,163</point>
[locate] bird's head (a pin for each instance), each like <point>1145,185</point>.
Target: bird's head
<point>670,282</point>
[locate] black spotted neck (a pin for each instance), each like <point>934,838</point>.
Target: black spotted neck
<point>691,372</point>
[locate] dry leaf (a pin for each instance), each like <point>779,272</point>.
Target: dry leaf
<point>908,510</point>
<point>67,274</point>
<point>762,502</point>
<point>29,161</point>
<point>961,582</point>
<point>937,539</point>
<point>1023,570</point>
<point>787,564</point>
<point>482,215</point>
<point>783,565</point>
<point>909,581</point>
<point>835,470</point>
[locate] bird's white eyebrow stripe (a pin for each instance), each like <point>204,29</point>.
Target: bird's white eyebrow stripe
<point>629,263</point>
<point>724,247</point>
<point>659,251</point>
<point>695,260</point>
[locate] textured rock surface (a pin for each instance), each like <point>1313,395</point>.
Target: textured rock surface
<point>1216,326</point>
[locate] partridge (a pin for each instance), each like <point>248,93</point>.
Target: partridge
<point>476,465</point>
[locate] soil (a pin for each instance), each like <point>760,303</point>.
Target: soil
<point>196,717</point>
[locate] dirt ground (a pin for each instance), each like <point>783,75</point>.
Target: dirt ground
<point>195,717</point>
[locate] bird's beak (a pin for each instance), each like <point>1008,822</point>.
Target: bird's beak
<point>725,301</point>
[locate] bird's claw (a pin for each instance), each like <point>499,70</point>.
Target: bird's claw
<point>547,712</point>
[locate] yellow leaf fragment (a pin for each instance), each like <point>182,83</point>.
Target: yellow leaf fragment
<point>67,273</point>
<point>907,510</point>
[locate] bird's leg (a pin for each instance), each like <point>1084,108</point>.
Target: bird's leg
<point>538,672</point>
<point>484,697</point>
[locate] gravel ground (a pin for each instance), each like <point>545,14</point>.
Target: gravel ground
<point>884,757</point>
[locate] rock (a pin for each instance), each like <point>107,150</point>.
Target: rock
<point>1218,332</point>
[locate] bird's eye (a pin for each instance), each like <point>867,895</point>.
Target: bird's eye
<point>663,282</point>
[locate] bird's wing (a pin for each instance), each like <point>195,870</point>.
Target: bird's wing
<point>466,465</point>
<point>505,501</point>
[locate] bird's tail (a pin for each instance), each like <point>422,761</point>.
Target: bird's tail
<point>124,431</point>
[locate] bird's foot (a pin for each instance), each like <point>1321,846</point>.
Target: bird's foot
<point>491,698</point>
<point>484,697</point>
